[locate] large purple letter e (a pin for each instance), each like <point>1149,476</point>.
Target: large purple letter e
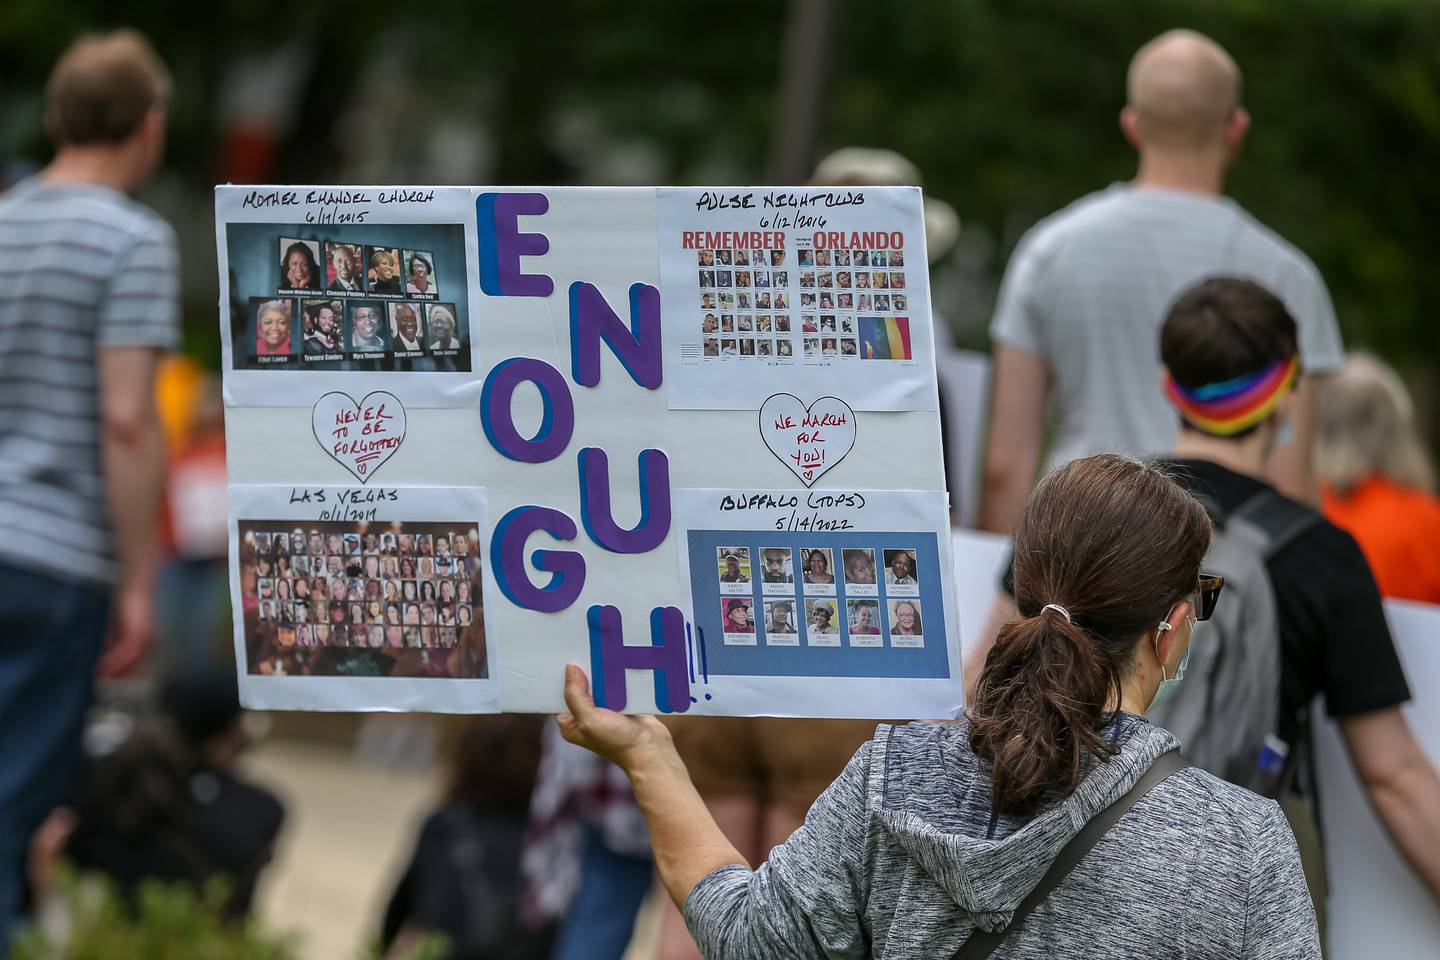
<point>502,244</point>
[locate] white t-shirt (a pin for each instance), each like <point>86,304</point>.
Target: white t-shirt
<point>1087,289</point>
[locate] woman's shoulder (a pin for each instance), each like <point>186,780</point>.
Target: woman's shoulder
<point>901,750</point>
<point>911,757</point>
<point>1223,806</point>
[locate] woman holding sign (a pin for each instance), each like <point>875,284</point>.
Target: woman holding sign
<point>940,838</point>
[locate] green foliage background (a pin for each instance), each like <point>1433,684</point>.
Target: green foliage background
<point>1008,106</point>
<point>166,921</point>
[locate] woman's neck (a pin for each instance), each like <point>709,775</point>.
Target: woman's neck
<point>1137,689</point>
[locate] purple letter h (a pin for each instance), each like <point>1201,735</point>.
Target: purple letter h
<point>610,657</point>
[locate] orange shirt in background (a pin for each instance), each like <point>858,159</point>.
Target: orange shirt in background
<point>1398,529</point>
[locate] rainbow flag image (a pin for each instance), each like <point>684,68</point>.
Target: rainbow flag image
<point>885,338</point>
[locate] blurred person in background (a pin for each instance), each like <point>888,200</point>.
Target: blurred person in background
<point>87,308</point>
<point>1230,355</point>
<point>463,879</point>
<point>1086,289</point>
<point>1377,480</point>
<point>1220,344</point>
<point>167,803</point>
<point>1224,346</point>
<point>193,590</point>
<point>587,862</point>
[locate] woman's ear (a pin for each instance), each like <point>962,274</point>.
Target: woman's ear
<point>1168,648</point>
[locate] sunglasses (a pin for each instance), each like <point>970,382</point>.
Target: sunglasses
<point>1208,595</point>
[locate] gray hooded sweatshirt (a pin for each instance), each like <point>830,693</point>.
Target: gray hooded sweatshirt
<point>904,855</point>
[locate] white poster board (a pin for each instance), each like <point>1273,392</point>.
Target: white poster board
<point>1371,888</point>
<point>507,394</point>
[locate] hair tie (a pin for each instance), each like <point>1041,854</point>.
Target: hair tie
<point>1062,611</point>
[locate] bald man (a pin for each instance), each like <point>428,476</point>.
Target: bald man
<point>1078,316</point>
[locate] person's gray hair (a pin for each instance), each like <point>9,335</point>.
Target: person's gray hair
<point>278,306</point>
<point>1367,427</point>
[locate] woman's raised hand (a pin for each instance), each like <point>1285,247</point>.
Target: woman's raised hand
<point>622,739</point>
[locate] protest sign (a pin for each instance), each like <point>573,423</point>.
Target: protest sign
<point>687,438</point>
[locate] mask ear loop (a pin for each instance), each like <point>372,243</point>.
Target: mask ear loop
<point>1164,627</point>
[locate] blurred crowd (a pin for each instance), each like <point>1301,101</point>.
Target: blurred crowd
<point>113,532</point>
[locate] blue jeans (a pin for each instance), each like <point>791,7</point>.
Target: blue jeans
<point>51,633</point>
<point>192,614</point>
<point>601,919</point>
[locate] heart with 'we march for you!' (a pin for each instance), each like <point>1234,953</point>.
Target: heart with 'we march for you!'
<point>810,440</point>
<point>360,436</point>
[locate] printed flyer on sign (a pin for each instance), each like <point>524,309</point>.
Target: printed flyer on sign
<point>342,588</point>
<point>373,282</point>
<point>461,453</point>
<point>780,289</point>
<point>789,587</point>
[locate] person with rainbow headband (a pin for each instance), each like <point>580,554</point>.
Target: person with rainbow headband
<point>1235,406</point>
<point>1231,364</point>
<point>1230,353</point>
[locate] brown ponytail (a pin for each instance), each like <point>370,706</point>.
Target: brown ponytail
<point>1115,542</point>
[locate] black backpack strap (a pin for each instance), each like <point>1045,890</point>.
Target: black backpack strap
<point>982,943</point>
<point>1278,517</point>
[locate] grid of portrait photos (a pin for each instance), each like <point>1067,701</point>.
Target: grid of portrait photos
<point>820,596</point>
<point>824,306</point>
<point>338,305</point>
<point>745,303</point>
<point>854,304</point>
<point>395,599</point>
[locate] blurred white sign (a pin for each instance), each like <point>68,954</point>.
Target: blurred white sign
<point>1371,888</point>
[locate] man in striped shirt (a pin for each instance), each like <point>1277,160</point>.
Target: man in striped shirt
<point>88,302</point>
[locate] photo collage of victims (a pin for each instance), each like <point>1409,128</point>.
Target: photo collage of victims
<point>820,596</point>
<point>345,599</point>
<point>341,305</point>
<point>847,304</point>
<point>745,304</point>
